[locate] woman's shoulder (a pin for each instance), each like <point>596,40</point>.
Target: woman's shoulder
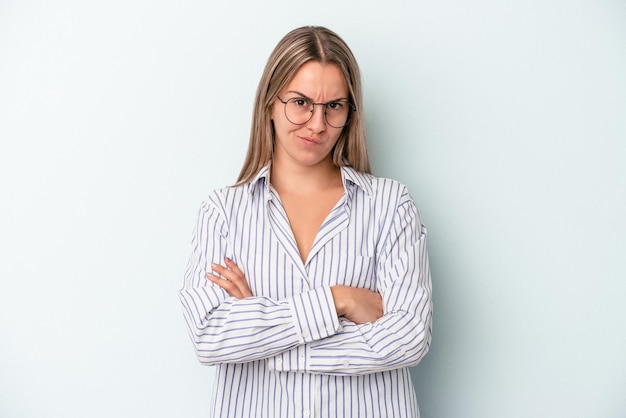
<point>231,198</point>
<point>378,188</point>
<point>390,200</point>
<point>226,196</point>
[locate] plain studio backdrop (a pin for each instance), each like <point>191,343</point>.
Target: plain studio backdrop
<point>506,120</point>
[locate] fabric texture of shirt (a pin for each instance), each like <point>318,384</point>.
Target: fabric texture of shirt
<point>284,352</point>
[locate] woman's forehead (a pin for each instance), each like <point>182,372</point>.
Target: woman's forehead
<point>315,80</point>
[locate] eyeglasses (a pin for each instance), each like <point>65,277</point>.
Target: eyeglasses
<point>299,110</point>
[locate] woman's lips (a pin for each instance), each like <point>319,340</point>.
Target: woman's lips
<point>315,141</point>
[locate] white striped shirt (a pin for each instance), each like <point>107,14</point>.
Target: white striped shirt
<point>284,352</point>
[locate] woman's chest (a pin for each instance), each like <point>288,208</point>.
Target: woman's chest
<point>343,252</point>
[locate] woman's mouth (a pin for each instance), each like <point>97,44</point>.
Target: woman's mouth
<point>312,141</point>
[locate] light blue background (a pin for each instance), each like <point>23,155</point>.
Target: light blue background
<point>507,121</point>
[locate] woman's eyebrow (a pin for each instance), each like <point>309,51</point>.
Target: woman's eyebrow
<point>300,94</point>
<point>304,96</point>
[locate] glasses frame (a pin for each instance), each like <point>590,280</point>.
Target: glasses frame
<point>325,105</point>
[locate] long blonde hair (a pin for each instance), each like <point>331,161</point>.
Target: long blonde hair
<point>309,43</point>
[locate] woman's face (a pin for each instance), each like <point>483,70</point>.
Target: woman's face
<point>309,144</point>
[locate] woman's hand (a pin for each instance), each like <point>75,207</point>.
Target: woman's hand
<point>230,278</point>
<point>357,304</point>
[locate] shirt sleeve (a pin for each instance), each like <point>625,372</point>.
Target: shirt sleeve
<point>402,337</point>
<point>224,329</point>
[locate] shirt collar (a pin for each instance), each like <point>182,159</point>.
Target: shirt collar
<point>261,179</point>
<point>361,180</point>
<point>348,175</point>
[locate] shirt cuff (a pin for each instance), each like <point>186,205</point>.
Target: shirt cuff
<point>315,315</point>
<point>315,318</point>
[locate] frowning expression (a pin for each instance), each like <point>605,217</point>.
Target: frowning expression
<point>312,142</point>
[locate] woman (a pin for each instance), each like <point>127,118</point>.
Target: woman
<point>309,285</point>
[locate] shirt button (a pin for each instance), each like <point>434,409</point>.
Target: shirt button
<point>279,361</point>
<point>346,363</point>
<point>302,359</point>
<point>305,334</point>
<point>307,414</point>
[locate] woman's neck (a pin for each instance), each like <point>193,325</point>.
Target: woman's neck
<point>302,180</point>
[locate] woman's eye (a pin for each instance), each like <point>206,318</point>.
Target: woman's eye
<point>336,106</point>
<point>301,102</point>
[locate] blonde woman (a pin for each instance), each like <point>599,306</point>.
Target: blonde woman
<point>309,285</point>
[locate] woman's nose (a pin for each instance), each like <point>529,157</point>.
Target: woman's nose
<point>317,123</point>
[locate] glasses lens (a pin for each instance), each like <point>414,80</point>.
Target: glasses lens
<point>337,113</point>
<point>299,111</point>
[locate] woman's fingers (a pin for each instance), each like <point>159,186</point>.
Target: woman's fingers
<point>231,265</point>
<point>230,278</point>
<point>225,284</point>
<point>357,304</point>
